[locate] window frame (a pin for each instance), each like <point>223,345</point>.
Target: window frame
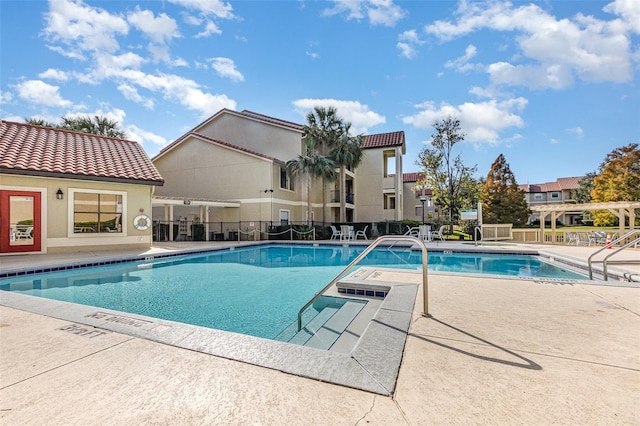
<point>72,213</point>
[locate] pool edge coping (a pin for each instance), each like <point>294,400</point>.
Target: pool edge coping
<point>369,366</point>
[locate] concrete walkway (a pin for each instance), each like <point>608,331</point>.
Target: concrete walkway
<point>497,351</point>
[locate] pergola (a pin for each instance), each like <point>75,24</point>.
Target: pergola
<point>169,202</point>
<point>622,209</point>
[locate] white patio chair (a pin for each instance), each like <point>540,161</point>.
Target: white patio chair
<point>335,233</point>
<point>439,233</point>
<point>362,233</point>
<point>412,232</point>
<point>25,233</point>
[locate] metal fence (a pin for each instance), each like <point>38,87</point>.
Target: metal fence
<point>184,230</point>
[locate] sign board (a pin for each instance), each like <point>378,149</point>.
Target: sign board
<point>470,214</point>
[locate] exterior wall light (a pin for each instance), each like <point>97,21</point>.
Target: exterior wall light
<point>59,194</point>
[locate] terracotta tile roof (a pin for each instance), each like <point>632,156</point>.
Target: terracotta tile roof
<point>412,177</point>
<point>561,184</point>
<point>43,151</point>
<point>382,140</point>
<point>272,120</point>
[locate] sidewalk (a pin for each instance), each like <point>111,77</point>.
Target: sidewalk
<point>497,351</point>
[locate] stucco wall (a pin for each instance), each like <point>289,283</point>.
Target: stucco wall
<point>57,215</point>
<point>277,142</point>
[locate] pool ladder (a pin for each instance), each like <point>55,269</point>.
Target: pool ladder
<point>606,260</point>
<point>361,256</point>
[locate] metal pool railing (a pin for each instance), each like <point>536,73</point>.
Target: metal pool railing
<point>362,256</point>
<point>606,260</point>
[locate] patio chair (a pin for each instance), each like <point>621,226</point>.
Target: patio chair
<point>571,237</point>
<point>335,233</point>
<point>597,237</point>
<point>412,232</point>
<point>25,233</point>
<point>362,233</point>
<point>439,234</point>
<point>424,233</point>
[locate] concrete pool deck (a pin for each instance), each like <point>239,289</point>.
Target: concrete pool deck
<point>497,351</point>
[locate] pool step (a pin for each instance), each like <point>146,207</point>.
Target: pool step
<point>327,326</point>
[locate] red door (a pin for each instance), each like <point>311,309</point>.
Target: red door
<point>20,221</point>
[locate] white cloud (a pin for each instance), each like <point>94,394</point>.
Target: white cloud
<point>378,12</point>
<point>141,136</point>
<point>554,50</point>
<point>462,64</point>
<point>628,10</point>
<point>481,122</point>
<point>313,55</point>
<point>578,131</point>
<point>160,29</point>
<point>5,97</point>
<point>407,42</point>
<point>41,93</point>
<point>52,74</point>
<point>359,115</point>
<point>214,8</point>
<point>209,28</point>
<point>131,93</point>
<point>226,68</point>
<point>82,27</point>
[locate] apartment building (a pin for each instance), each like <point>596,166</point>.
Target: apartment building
<point>231,169</point>
<point>558,192</point>
<point>418,199</point>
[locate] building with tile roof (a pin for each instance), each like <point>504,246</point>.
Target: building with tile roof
<point>62,190</point>
<point>237,162</point>
<point>550,193</point>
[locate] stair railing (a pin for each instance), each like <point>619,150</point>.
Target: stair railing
<point>361,256</point>
<point>605,260</point>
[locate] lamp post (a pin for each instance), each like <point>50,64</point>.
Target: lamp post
<point>423,199</point>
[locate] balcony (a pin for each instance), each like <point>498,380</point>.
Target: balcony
<point>335,197</point>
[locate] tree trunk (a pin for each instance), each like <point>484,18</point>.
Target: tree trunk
<point>343,194</point>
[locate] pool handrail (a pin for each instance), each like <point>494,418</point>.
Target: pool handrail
<point>617,250</point>
<point>355,261</point>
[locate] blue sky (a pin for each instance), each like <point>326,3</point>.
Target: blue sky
<point>551,85</point>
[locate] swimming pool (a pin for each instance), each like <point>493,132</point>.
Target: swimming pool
<point>253,290</point>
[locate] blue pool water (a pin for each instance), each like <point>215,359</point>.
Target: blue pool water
<point>254,290</point>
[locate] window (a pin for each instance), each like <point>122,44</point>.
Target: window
<point>95,212</point>
<point>284,217</point>
<point>285,179</point>
<point>389,202</point>
<point>555,195</point>
<point>537,196</point>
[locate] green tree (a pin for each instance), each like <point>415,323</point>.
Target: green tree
<point>582,194</point>
<point>502,200</point>
<point>446,174</point>
<point>96,125</point>
<point>618,180</point>
<point>347,154</point>
<point>323,131</point>
<point>40,122</point>
<point>311,165</point>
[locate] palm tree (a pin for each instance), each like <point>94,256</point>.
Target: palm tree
<point>322,130</point>
<point>311,164</point>
<point>96,125</point>
<point>346,153</point>
<point>39,122</point>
